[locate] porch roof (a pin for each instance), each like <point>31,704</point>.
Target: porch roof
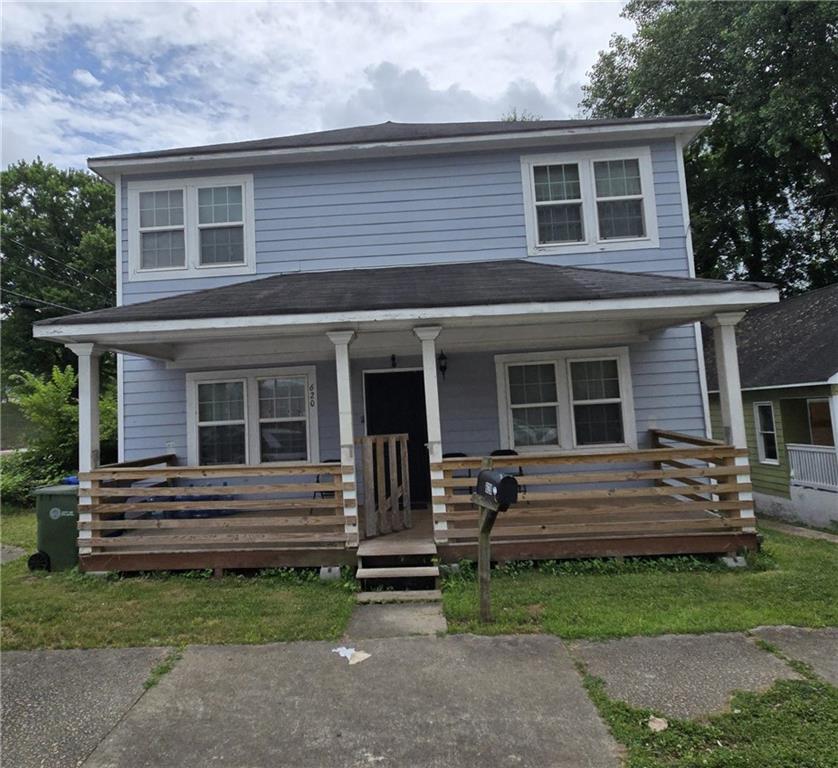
<point>433,286</point>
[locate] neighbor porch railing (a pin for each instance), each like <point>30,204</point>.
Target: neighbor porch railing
<point>386,484</point>
<point>813,466</point>
<point>682,485</point>
<point>136,509</point>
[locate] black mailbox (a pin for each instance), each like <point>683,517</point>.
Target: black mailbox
<point>496,490</point>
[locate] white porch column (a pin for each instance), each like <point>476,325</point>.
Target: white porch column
<point>833,409</point>
<point>88,356</point>
<point>727,369</point>
<point>730,394</point>
<point>341,340</point>
<point>427,335</point>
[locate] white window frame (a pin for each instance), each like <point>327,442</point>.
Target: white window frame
<point>567,428</point>
<point>585,160</point>
<point>191,228</point>
<point>251,378</point>
<point>226,422</point>
<point>758,433</point>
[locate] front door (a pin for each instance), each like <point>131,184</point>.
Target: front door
<point>395,403</point>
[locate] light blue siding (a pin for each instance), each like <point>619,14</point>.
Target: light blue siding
<point>408,211</point>
<point>664,381</point>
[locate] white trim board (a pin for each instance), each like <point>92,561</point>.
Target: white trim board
<point>780,386</point>
<point>646,306</point>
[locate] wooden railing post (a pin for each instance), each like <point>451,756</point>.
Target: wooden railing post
<point>405,467</point>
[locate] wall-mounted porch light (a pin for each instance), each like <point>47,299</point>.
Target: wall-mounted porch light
<point>442,361</point>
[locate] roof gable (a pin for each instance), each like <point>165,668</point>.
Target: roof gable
<point>792,342</point>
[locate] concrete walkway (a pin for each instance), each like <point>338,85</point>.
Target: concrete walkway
<point>424,701</point>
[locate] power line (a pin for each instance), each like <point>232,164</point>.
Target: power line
<point>59,262</point>
<point>42,301</point>
<point>56,280</point>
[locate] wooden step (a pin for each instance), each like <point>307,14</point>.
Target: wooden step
<point>405,572</point>
<point>384,548</point>
<point>405,596</point>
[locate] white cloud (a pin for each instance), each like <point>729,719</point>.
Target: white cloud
<point>86,78</point>
<point>191,73</point>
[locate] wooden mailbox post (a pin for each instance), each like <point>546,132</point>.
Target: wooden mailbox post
<point>495,493</point>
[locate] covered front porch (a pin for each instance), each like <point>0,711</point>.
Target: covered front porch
<point>287,440</point>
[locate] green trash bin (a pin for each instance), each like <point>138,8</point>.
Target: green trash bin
<point>57,510</point>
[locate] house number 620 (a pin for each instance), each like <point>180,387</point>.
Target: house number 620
<point>311,395</point>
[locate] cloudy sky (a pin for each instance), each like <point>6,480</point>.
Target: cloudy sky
<point>82,79</point>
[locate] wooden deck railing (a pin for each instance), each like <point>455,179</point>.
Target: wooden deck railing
<point>169,509</point>
<point>386,480</point>
<point>683,489</point>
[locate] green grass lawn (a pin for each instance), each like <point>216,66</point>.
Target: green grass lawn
<point>70,610</point>
<point>795,582</point>
<point>792,724</point>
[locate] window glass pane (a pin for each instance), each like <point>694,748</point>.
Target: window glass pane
<point>283,441</point>
<point>222,245</point>
<point>560,223</point>
<point>535,425</point>
<point>162,249</point>
<point>601,423</point>
<point>221,444</point>
<point>766,418</point>
<point>595,379</point>
<point>161,209</point>
<point>217,205</point>
<point>621,218</point>
<point>282,398</point>
<point>769,446</point>
<point>221,401</point>
<point>617,178</point>
<point>557,182</point>
<point>532,384</point>
<point>820,425</point>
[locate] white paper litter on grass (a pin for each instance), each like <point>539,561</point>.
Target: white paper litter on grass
<point>354,657</point>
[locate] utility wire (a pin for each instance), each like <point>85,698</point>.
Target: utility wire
<point>57,280</point>
<point>42,301</point>
<point>59,262</point>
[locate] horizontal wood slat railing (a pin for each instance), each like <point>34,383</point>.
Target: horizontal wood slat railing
<point>691,488</point>
<point>386,479</point>
<point>168,509</point>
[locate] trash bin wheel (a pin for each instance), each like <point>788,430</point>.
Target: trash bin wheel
<point>38,562</point>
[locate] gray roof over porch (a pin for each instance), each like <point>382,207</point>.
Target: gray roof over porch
<point>439,286</point>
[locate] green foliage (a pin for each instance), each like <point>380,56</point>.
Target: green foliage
<point>762,178</point>
<point>166,665</point>
<point>51,410</point>
<point>792,724</point>
<point>58,248</point>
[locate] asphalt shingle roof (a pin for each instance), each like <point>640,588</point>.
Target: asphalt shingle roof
<point>389,131</point>
<point>792,342</point>
<point>514,281</point>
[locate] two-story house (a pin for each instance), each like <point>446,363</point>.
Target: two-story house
<point>323,337</point>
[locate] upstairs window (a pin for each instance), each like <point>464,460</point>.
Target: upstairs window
<point>190,227</point>
<point>584,202</point>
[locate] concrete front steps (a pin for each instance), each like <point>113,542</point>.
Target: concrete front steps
<point>398,571</point>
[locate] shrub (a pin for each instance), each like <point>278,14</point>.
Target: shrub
<point>51,408</point>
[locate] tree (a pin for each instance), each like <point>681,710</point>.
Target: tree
<point>58,257</point>
<point>763,178</point>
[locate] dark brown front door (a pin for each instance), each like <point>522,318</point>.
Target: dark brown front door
<point>395,403</point>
